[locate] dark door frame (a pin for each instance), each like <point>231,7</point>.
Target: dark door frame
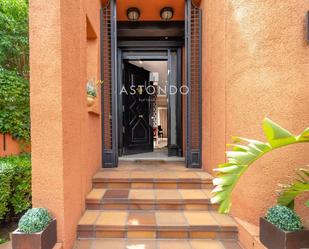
<point>146,51</point>
<point>193,23</point>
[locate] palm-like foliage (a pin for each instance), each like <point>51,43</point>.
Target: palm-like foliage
<point>289,192</point>
<point>244,152</point>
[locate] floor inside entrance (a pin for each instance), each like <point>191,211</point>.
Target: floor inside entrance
<point>160,153</point>
<point>153,205</point>
<point>156,155</point>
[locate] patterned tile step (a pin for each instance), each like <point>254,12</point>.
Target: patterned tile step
<point>157,224</point>
<point>149,178</point>
<point>149,199</point>
<point>154,244</point>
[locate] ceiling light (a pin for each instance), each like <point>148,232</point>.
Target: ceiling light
<point>167,13</point>
<point>133,14</point>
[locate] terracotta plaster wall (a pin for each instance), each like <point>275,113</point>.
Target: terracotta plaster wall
<point>257,64</point>
<point>66,149</point>
<point>11,146</point>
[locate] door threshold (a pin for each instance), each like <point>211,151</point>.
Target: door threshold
<point>151,159</point>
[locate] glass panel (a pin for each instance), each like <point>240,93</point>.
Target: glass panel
<point>174,109</point>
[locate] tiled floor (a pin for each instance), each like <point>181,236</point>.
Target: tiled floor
<point>155,244</point>
<point>152,171</point>
<point>149,194</point>
<point>157,219</point>
<point>159,153</point>
<point>163,205</point>
<point>153,166</point>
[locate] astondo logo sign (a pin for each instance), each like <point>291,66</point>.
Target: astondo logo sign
<point>155,90</point>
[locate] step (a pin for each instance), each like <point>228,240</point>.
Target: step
<point>152,178</point>
<point>156,225</point>
<point>154,244</point>
<point>149,199</point>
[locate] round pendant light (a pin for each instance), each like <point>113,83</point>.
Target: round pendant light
<point>133,14</point>
<point>167,13</point>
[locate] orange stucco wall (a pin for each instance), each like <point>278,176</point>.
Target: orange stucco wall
<point>66,149</point>
<point>256,62</point>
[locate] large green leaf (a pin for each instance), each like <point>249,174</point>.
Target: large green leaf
<point>244,152</point>
<point>276,135</point>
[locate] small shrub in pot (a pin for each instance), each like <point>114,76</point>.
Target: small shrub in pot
<point>282,229</point>
<point>34,221</point>
<point>36,230</point>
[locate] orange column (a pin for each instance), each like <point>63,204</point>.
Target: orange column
<point>66,144</point>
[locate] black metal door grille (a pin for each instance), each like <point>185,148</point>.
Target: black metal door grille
<point>193,72</point>
<point>108,54</point>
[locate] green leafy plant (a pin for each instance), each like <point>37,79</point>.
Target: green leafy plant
<point>14,105</point>
<point>284,218</point>
<point>244,153</point>
<point>289,192</point>
<point>91,88</point>
<point>35,220</point>
<point>14,43</point>
<point>5,188</point>
<point>15,187</point>
<point>2,241</point>
<point>14,70</point>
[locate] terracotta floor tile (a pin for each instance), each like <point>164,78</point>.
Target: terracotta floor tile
<point>141,244</point>
<point>172,218</point>
<point>165,175</point>
<point>174,244</point>
<point>141,218</point>
<point>187,174</point>
<point>230,244</point>
<point>192,194</point>
<point>200,218</point>
<point>96,194</point>
<point>167,194</point>
<point>112,218</point>
<point>83,244</point>
<point>224,219</point>
<point>113,174</point>
<point>108,244</point>
<point>142,175</point>
<point>89,218</point>
<point>205,244</point>
<point>204,175</point>
<point>141,194</point>
<point>116,194</point>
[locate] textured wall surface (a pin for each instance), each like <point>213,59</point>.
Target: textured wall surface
<point>257,64</point>
<point>8,146</point>
<point>66,150</point>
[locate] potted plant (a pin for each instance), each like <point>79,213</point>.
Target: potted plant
<point>36,230</point>
<point>282,228</point>
<point>91,92</point>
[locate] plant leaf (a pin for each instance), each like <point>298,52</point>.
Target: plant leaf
<point>276,135</point>
<point>304,135</point>
<point>291,191</point>
<point>241,157</point>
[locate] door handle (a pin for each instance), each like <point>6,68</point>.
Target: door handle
<point>140,116</point>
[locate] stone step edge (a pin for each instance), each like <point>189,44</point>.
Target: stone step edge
<point>150,180</point>
<point>186,228</point>
<point>159,234</point>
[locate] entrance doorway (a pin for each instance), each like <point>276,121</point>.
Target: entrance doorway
<point>177,41</point>
<point>150,120</point>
